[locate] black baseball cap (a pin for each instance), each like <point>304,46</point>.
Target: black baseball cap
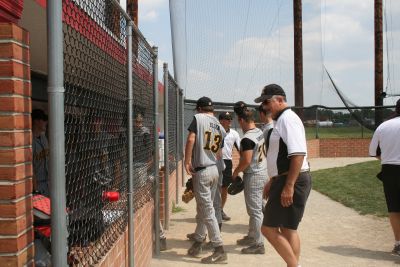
<point>269,91</point>
<point>225,116</point>
<point>398,106</point>
<point>204,102</point>
<point>38,114</point>
<point>239,106</point>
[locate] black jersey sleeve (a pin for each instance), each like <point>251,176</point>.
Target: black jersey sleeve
<point>247,144</point>
<point>193,126</point>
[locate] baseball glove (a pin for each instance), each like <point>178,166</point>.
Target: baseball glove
<point>188,193</point>
<point>236,186</point>
<point>187,196</point>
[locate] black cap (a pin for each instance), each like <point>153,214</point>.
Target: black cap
<point>225,116</point>
<point>398,106</point>
<point>38,114</point>
<point>204,102</point>
<point>269,91</point>
<point>239,107</point>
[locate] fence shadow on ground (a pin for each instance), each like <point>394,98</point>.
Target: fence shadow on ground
<point>351,251</point>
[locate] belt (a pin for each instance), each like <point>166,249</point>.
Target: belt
<point>286,173</point>
<point>199,169</point>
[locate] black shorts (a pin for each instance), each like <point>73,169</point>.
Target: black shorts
<point>227,173</point>
<point>275,215</point>
<point>390,176</point>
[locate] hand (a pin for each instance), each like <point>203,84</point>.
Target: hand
<point>267,187</point>
<point>287,195</point>
<point>189,168</point>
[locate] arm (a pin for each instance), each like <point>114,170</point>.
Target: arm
<point>244,162</point>
<point>188,152</point>
<point>296,161</point>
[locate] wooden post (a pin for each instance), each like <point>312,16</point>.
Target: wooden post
<point>378,61</point>
<point>298,57</point>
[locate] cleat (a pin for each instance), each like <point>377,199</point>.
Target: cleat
<point>195,249</point>
<point>254,249</point>
<point>246,241</point>
<point>219,256</point>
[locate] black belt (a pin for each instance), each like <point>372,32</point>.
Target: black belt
<point>199,169</point>
<point>286,173</point>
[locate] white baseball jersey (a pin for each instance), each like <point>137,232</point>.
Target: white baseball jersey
<point>232,137</point>
<point>258,162</point>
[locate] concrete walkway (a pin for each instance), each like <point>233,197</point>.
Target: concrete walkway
<point>331,234</point>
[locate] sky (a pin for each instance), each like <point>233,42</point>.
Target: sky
<point>231,48</point>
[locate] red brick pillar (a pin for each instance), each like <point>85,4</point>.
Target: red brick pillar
<point>16,232</point>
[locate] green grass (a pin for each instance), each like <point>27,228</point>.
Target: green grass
<point>338,132</point>
<point>176,209</point>
<point>355,186</point>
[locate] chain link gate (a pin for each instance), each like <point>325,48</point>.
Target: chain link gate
<point>95,81</point>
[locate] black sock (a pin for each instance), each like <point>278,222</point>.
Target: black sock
<point>220,226</point>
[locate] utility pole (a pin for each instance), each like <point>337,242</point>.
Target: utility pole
<point>378,61</point>
<point>298,57</point>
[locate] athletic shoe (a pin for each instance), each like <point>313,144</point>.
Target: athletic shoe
<point>219,256</point>
<point>163,244</point>
<point>246,241</point>
<point>192,237</point>
<point>254,249</point>
<point>224,216</point>
<point>195,249</point>
<point>396,250</point>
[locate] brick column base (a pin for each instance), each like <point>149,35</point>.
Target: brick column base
<point>16,228</point>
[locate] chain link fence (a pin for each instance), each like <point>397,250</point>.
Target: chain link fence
<point>172,122</point>
<point>320,122</point>
<point>95,81</point>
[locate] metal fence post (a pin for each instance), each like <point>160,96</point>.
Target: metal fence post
<point>166,151</point>
<point>177,146</point>
<point>156,158</point>
<point>131,215</point>
<point>183,136</point>
<point>55,90</point>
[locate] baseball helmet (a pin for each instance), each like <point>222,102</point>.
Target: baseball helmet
<point>236,186</point>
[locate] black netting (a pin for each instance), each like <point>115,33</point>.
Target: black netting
<point>95,80</point>
<point>172,122</point>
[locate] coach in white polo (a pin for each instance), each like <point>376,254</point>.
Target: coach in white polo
<point>385,145</point>
<point>290,183</point>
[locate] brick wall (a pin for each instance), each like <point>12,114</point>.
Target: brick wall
<point>313,148</point>
<point>171,190</point>
<point>143,247</point>
<point>16,232</point>
<point>355,147</point>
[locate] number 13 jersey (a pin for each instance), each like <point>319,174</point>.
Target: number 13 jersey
<point>209,139</point>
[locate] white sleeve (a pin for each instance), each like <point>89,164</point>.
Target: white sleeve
<point>296,140</point>
<point>373,146</point>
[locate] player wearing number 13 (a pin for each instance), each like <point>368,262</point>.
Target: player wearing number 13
<point>202,151</point>
<point>253,164</point>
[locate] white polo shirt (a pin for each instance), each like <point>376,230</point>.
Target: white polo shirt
<point>287,139</point>
<point>232,138</point>
<point>386,142</point>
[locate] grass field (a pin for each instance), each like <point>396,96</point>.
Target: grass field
<point>338,132</point>
<point>355,186</point>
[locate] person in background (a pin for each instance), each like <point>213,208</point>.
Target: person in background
<point>40,153</point>
<point>266,120</point>
<point>290,180</point>
<point>385,145</point>
<point>232,139</point>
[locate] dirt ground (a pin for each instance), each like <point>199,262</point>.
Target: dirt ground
<point>331,234</point>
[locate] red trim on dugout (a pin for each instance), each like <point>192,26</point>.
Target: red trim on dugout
<point>11,11</point>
